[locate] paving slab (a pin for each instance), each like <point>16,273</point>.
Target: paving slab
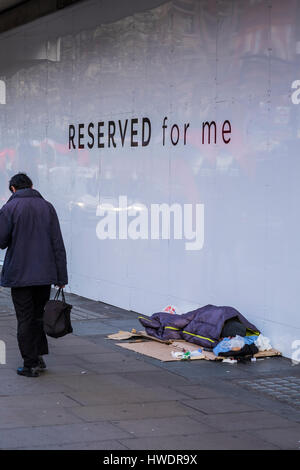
<point>95,395</point>
<point>52,360</point>
<point>125,325</point>
<point>89,382</point>
<point>123,366</point>
<point>44,436</point>
<point>201,441</point>
<point>6,372</point>
<point>97,445</point>
<point>65,370</point>
<point>219,405</point>
<point>131,411</point>
<point>105,356</point>
<point>26,385</point>
<point>148,378</point>
<point>177,426</point>
<point>196,371</point>
<point>267,365</point>
<point>79,350</point>
<point>67,341</point>
<point>198,391</point>
<point>91,327</point>
<point>40,401</point>
<point>285,438</point>
<point>20,417</point>
<point>125,394</point>
<point>245,421</point>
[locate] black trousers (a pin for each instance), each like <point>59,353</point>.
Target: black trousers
<point>29,305</point>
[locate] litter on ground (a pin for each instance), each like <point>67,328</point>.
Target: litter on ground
<point>165,351</point>
<point>210,333</point>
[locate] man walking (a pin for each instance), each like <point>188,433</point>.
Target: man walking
<point>35,259</point>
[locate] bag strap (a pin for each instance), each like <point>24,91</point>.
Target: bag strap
<point>58,292</point>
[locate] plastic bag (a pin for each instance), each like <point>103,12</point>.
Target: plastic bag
<point>185,355</point>
<point>173,309</point>
<point>196,352</point>
<point>229,344</point>
<point>230,361</point>
<point>236,342</point>
<point>170,309</point>
<point>263,343</point>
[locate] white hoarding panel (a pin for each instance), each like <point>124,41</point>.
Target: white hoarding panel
<point>166,134</point>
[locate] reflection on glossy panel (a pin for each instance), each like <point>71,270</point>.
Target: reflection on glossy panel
<point>177,103</point>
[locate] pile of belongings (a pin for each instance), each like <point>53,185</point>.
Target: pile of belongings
<point>223,330</point>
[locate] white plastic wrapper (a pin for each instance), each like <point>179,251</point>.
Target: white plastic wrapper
<point>236,342</point>
<point>170,309</point>
<point>263,343</point>
<point>230,361</point>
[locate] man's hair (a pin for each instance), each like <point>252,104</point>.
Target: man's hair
<point>20,181</point>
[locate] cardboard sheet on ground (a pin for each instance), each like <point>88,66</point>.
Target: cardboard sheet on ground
<point>123,335</point>
<point>163,350</point>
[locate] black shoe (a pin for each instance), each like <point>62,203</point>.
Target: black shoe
<point>42,365</point>
<point>28,371</point>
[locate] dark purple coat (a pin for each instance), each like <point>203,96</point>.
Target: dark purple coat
<point>30,230</point>
<point>202,326</point>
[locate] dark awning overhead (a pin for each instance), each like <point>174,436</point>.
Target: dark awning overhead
<point>6,4</point>
<point>14,13</point>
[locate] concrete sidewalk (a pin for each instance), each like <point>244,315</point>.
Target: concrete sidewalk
<point>96,395</point>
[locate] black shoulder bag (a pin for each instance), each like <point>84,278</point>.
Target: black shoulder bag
<point>57,316</point>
